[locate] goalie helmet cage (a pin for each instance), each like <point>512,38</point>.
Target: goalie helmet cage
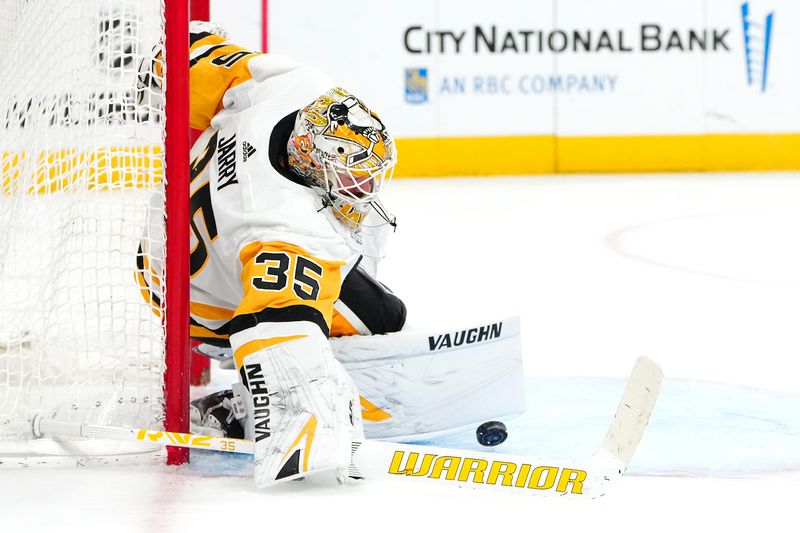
<point>94,218</point>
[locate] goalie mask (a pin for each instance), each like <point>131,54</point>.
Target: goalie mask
<point>343,148</point>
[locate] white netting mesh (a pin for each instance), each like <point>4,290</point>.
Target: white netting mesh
<point>81,161</point>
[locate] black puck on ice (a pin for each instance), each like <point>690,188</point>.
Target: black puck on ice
<point>491,433</point>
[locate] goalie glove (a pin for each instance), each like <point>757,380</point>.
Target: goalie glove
<point>217,414</point>
<point>303,411</point>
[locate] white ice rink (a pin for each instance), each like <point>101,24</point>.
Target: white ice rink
<point>698,272</point>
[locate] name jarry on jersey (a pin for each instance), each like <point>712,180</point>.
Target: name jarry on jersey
<point>226,162</point>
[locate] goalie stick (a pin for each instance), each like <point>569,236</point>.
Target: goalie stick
<point>480,470</point>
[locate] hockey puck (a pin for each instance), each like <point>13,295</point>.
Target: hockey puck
<point>491,433</point>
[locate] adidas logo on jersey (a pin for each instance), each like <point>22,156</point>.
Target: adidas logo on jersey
<point>247,150</point>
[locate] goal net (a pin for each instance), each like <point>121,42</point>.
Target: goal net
<point>82,144</point>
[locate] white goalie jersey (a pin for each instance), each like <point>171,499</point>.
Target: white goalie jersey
<point>260,240</point>
<point>263,247</point>
<point>268,259</point>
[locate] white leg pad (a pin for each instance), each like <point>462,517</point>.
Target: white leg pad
<point>302,411</point>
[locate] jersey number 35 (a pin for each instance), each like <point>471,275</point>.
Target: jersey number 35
<point>305,278</point>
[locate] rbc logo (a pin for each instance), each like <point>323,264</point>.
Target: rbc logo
<point>416,85</point>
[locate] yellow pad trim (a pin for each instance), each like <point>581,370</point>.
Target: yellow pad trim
<point>307,431</point>
<point>259,344</point>
<point>371,412</point>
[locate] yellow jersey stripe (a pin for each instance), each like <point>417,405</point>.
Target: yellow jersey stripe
<point>215,67</point>
<point>148,296</point>
<point>196,331</point>
<point>210,312</point>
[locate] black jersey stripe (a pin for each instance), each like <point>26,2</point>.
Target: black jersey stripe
<point>207,53</point>
<point>224,329</point>
<point>213,341</point>
<point>199,164</point>
<point>194,37</point>
<point>293,313</point>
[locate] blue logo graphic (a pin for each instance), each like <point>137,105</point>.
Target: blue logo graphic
<point>757,40</point>
<point>416,85</point>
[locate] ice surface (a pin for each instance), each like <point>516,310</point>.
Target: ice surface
<point>697,428</point>
<point>698,272</point>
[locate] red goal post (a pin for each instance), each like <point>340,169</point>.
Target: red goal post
<point>176,378</point>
